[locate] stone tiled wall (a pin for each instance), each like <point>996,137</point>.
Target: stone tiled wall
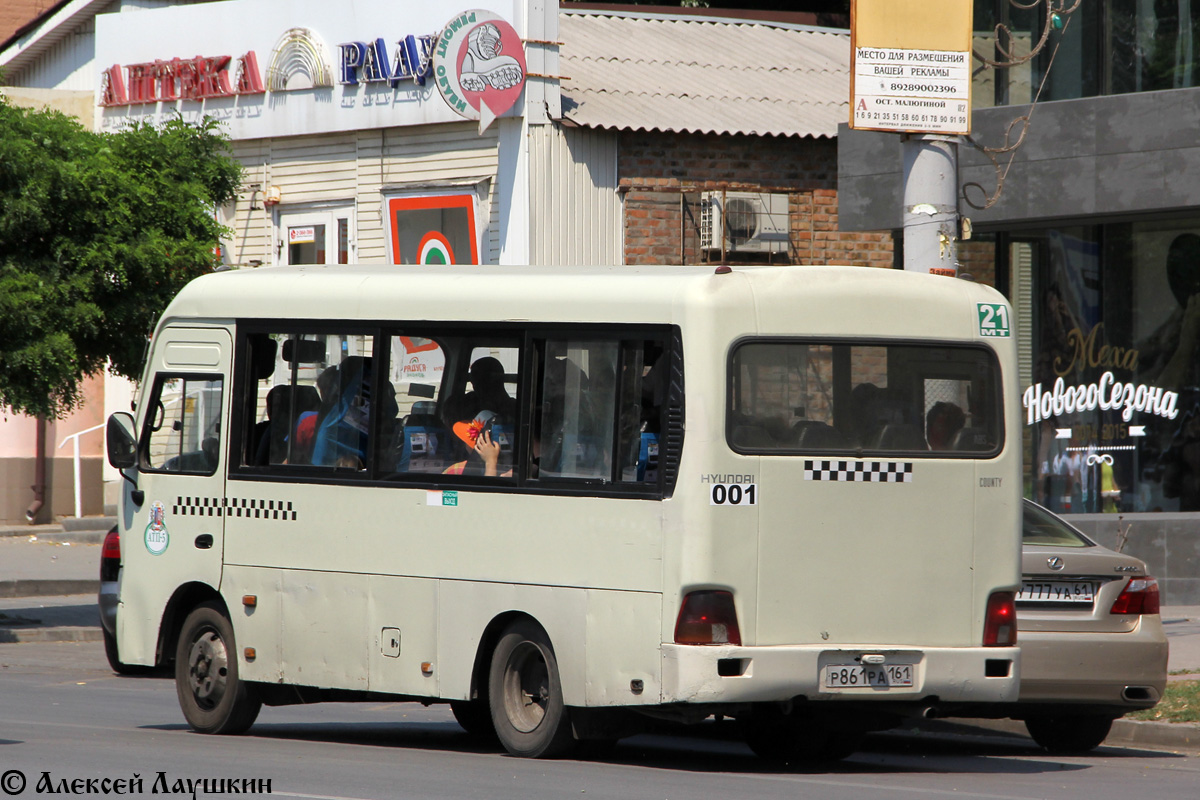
<point>1169,543</point>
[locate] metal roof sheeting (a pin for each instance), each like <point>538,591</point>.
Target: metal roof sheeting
<point>697,75</point>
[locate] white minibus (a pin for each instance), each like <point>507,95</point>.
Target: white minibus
<point>571,501</point>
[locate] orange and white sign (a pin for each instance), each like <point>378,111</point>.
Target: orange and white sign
<point>911,66</point>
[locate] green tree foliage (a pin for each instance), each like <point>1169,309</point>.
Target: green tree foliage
<point>98,231</point>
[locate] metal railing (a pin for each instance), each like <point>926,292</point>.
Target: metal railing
<point>74,437</point>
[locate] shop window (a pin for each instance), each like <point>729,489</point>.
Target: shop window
<point>1110,47</point>
<point>1112,404</point>
<point>434,229</point>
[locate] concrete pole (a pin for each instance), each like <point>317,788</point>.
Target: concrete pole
<point>931,203</point>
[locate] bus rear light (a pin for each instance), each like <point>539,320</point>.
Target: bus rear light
<point>707,617</point>
<point>1140,596</point>
<point>1000,621</point>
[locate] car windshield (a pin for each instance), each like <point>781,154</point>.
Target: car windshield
<point>1039,526</point>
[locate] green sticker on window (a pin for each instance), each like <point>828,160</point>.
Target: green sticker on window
<point>993,319</point>
<point>449,498</point>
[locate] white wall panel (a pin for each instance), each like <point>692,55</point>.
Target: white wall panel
<point>576,214</point>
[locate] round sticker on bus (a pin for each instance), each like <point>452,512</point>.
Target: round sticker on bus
<point>157,537</point>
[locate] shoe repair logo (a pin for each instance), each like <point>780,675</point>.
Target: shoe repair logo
<point>157,537</point>
<point>479,65</point>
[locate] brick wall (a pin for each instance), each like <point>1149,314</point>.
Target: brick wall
<point>663,174</point>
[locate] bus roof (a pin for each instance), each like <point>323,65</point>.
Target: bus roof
<point>770,296</point>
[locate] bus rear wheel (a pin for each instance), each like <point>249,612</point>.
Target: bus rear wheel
<point>213,698</point>
<point>525,694</point>
<point>797,739</point>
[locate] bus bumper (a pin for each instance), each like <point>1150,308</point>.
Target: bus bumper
<point>942,675</point>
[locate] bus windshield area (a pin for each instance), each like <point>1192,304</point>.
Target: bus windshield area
<point>803,397</point>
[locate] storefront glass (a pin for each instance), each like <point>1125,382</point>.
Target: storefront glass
<point>1112,399</point>
<point>1109,47</point>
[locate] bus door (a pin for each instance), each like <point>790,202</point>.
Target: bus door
<point>176,535</point>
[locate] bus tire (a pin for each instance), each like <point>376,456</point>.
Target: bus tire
<point>213,698</point>
<point>474,717</point>
<point>525,694</point>
<point>796,739</point>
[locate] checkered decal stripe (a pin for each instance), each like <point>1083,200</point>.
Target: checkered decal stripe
<point>197,507</point>
<point>261,509</point>
<point>864,471</point>
<point>250,508</point>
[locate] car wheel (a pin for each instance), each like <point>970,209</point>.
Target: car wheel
<point>1069,733</point>
<point>474,717</point>
<point>114,658</point>
<point>797,739</point>
<point>211,695</point>
<point>525,694</point>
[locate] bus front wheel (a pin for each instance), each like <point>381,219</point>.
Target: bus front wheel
<point>526,695</point>
<point>211,695</point>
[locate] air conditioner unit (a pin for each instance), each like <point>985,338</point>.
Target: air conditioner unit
<point>752,221</point>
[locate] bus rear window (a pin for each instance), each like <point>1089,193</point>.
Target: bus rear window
<point>804,397</point>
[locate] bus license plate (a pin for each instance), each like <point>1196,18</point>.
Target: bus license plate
<point>859,676</point>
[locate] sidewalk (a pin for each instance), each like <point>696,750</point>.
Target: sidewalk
<point>49,577</point>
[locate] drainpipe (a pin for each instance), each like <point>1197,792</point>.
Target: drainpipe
<point>39,474</point>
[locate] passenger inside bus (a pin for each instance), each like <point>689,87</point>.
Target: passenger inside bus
<point>487,393</point>
<point>942,424</point>
<point>489,445</point>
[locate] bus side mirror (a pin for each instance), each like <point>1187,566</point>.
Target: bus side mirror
<point>122,450</point>
<point>122,445</point>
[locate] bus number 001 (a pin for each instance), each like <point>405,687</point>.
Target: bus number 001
<point>733,494</point>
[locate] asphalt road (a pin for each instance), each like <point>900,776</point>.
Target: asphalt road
<point>64,714</point>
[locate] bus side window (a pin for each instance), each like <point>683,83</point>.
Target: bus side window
<point>578,393</point>
<point>183,428</point>
<point>419,440</point>
<point>309,400</point>
<point>642,396</point>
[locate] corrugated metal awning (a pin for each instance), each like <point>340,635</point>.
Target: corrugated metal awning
<point>699,75</point>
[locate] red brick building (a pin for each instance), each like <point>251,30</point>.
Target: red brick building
<point>705,107</point>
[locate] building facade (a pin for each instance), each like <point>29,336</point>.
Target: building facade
<point>1092,227</point>
<point>595,136</point>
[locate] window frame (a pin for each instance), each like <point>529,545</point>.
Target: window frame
<point>997,399</point>
<point>145,434</point>
<point>470,334</point>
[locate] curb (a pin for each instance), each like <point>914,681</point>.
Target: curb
<point>31,530</point>
<point>48,588</point>
<point>73,537</point>
<point>1125,732</point>
<point>71,634</point>
<point>101,524</point>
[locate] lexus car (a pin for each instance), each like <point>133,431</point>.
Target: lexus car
<point>1092,642</point>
